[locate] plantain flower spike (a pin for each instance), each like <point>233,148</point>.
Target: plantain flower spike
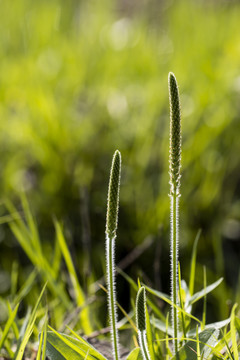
<point>113,196</point>
<point>175,134</point>
<point>140,309</point>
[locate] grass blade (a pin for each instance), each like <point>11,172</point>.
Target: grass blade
<point>193,263</point>
<point>9,323</point>
<point>200,294</point>
<point>80,298</point>
<point>233,333</point>
<point>29,328</point>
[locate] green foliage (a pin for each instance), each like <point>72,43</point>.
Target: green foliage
<point>71,91</point>
<point>60,346</point>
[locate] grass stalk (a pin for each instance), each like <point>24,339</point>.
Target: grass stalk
<point>111,228</point>
<point>174,171</point>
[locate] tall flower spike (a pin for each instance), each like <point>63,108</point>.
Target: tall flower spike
<point>141,322</point>
<point>111,228</point>
<point>175,133</point>
<point>174,171</point>
<point>113,195</point>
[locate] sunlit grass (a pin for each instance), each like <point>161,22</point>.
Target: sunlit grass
<point>78,81</point>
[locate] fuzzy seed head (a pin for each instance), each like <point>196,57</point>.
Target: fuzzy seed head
<point>175,134</point>
<point>140,309</point>
<point>113,195</point>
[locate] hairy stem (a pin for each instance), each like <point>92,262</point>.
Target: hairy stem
<point>143,344</point>
<point>174,171</point>
<point>174,262</point>
<point>110,244</point>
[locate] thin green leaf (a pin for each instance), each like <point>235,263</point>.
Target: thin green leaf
<point>193,263</point>
<point>168,351</point>
<point>181,301</point>
<point>216,325</point>
<point>198,345</point>
<point>204,298</point>
<point>80,298</point>
<point>200,294</point>
<point>8,325</point>
<point>93,350</point>
<point>189,350</point>
<point>233,333</point>
<point>167,300</point>
<point>71,348</point>
<point>135,354</point>
<point>29,328</point>
<point>14,325</point>
<point>43,340</point>
<point>26,286</point>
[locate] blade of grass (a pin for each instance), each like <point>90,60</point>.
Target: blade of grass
<point>23,235</point>
<point>80,348</point>
<point>87,344</point>
<point>26,286</point>
<point>233,333</point>
<point>198,345</point>
<point>14,326</point>
<point>8,325</point>
<point>193,263</point>
<point>200,294</point>
<point>43,341</point>
<point>181,301</point>
<point>149,335</point>
<point>166,337</point>
<point>167,300</point>
<point>80,298</point>
<point>29,328</point>
<point>204,298</point>
<point>227,347</point>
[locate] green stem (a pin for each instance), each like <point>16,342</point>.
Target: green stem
<point>174,262</point>
<point>143,344</point>
<point>112,294</point>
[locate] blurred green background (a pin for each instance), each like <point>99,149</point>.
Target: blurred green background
<point>79,79</point>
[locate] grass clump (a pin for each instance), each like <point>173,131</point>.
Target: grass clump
<point>188,338</point>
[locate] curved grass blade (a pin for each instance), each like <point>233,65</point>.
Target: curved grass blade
<point>193,263</point>
<point>23,340</point>
<point>200,294</point>
<point>234,333</point>
<point>9,323</point>
<point>167,300</point>
<point>79,294</point>
<point>71,348</point>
